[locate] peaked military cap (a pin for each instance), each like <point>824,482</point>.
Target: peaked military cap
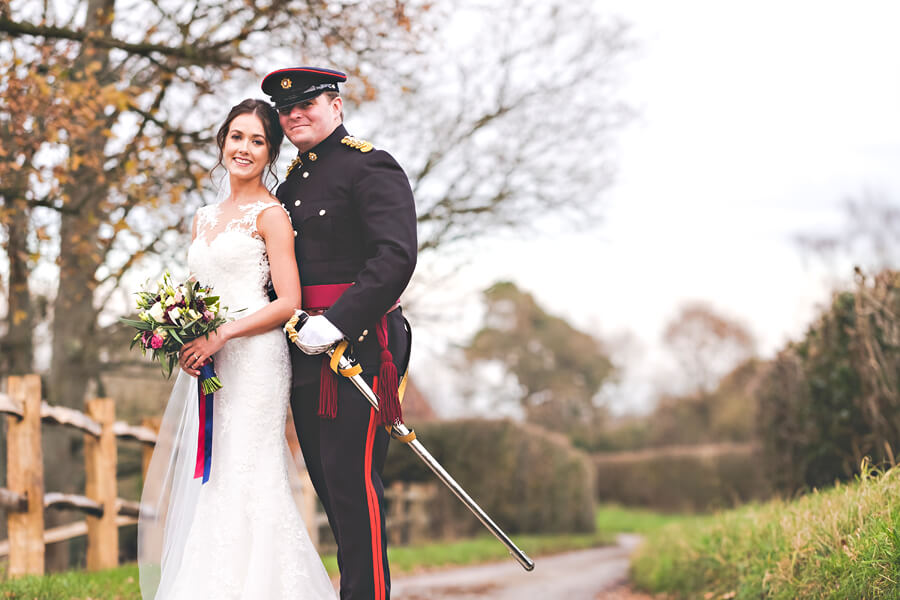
<point>287,87</point>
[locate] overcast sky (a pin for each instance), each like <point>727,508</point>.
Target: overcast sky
<point>756,120</point>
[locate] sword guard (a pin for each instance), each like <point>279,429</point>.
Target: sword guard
<point>406,438</point>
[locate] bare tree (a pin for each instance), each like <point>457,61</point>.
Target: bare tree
<point>869,237</point>
<point>511,118</point>
<point>707,345</point>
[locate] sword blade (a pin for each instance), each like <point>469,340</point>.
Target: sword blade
<point>442,474</point>
<point>460,493</point>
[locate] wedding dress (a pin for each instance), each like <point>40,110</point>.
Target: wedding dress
<point>240,535</point>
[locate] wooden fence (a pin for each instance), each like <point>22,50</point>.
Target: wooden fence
<point>25,412</point>
<point>25,499</point>
<point>407,520</point>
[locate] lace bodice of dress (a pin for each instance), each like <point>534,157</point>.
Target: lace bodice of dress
<point>231,256</point>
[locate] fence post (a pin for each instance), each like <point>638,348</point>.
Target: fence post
<point>25,475</point>
<point>398,532</point>
<point>100,485</point>
<point>419,494</point>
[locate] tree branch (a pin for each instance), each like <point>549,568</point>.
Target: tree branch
<point>188,52</point>
<point>136,256</point>
<point>43,202</point>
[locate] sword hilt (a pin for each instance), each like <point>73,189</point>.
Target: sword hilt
<point>302,317</point>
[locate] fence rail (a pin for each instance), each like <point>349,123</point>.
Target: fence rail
<point>76,419</point>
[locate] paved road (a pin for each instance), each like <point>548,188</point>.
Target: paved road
<point>570,576</point>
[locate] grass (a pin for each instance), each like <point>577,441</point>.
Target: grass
<point>613,518</point>
<point>843,543</point>
<point>114,584</point>
<point>486,548</point>
<point>122,583</point>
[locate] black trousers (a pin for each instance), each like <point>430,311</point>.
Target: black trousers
<point>345,457</point>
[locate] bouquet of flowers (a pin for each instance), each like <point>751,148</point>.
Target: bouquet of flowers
<point>169,317</point>
<point>172,315</point>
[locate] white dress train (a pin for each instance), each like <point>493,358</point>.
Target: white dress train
<point>239,536</point>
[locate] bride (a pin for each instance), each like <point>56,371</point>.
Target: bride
<point>240,535</point>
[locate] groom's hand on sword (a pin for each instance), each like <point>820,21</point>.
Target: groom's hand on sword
<point>317,334</point>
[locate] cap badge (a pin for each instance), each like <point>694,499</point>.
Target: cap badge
<point>286,83</point>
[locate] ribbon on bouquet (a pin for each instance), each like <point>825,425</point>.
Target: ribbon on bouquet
<point>207,384</point>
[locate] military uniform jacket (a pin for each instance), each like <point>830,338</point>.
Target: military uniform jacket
<point>354,220</point>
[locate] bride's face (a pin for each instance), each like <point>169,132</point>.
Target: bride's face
<point>246,150</point>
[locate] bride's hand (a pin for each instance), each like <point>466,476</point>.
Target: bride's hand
<point>196,353</point>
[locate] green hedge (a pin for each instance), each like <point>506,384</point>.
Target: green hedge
<point>833,398</point>
<point>683,479</point>
<point>526,479</point>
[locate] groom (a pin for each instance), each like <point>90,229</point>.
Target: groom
<point>355,228</point>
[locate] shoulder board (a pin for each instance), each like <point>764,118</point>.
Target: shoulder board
<point>358,144</point>
<point>294,164</point>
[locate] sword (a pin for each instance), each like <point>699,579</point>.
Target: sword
<point>299,318</point>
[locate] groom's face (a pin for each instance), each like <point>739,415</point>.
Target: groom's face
<point>309,122</point>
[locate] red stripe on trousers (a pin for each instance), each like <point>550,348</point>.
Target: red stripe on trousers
<point>374,513</point>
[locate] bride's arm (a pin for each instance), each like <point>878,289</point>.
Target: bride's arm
<point>275,228</point>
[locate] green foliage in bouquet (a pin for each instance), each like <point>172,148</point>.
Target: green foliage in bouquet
<point>171,315</point>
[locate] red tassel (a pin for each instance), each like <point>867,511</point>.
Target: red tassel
<point>328,390</point>
<point>388,382</point>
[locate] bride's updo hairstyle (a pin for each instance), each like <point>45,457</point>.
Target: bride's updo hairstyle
<point>272,128</point>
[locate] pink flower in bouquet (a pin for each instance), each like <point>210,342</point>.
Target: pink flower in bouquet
<point>207,315</point>
<point>145,339</point>
<point>156,341</point>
